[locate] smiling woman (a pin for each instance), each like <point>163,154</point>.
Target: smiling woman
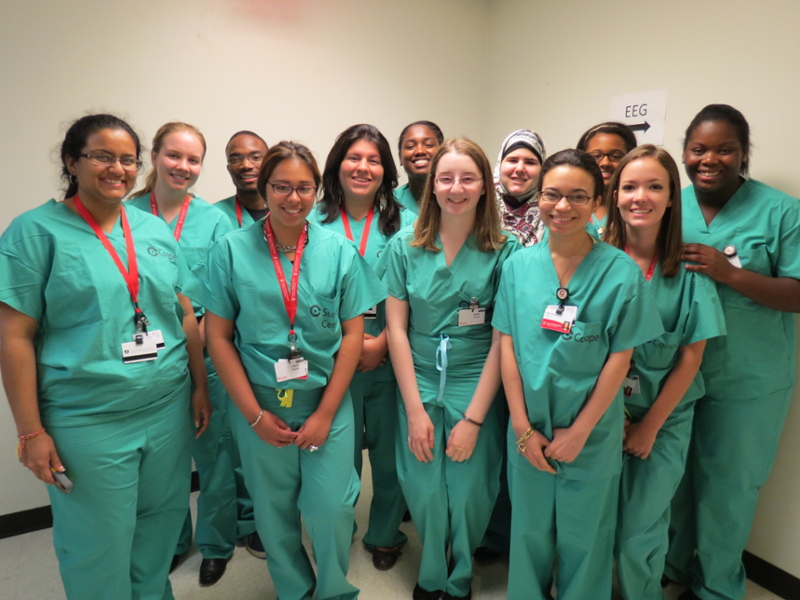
<point>417,144</point>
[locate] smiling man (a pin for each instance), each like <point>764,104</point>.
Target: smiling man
<point>244,152</point>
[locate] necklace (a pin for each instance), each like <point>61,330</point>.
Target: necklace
<point>285,249</point>
<point>566,270</point>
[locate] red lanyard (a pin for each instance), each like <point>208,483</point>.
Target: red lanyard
<point>131,274</point>
<point>289,296</point>
<point>364,234</point>
<point>238,210</point>
<point>181,216</point>
<point>651,269</point>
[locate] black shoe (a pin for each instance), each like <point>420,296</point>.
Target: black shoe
<point>423,594</point>
<point>384,559</point>
<point>212,569</point>
<point>176,560</point>
<point>406,516</point>
<point>689,595</point>
<point>484,555</point>
<point>254,546</point>
<point>447,596</point>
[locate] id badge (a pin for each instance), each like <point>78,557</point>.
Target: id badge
<point>559,321</point>
<point>471,316</point>
<point>291,368</point>
<point>156,336</point>
<point>142,349</point>
<point>371,313</point>
<point>630,385</point>
<point>733,256</point>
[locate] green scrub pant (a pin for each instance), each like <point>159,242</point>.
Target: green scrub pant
<point>732,450</point>
<point>375,410</point>
<point>287,483</point>
<point>450,502</point>
<point>498,532</point>
<point>563,518</point>
<point>224,508</point>
<point>646,489</point>
<point>115,533</point>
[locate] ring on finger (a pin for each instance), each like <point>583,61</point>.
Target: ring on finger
<point>313,448</point>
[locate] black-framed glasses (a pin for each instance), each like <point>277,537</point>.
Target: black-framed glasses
<point>614,156</point>
<point>304,191</point>
<point>103,159</point>
<point>253,157</point>
<point>553,197</point>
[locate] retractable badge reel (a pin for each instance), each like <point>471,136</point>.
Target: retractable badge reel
<point>560,317</point>
<point>733,256</point>
<point>294,366</point>
<point>474,314</point>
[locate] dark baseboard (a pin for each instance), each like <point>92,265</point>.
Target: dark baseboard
<point>35,519</point>
<point>770,577</point>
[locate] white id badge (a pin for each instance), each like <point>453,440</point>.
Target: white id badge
<point>291,368</point>
<point>139,350</point>
<point>371,313</point>
<point>561,322</point>
<point>156,336</point>
<point>471,316</point>
<point>630,385</point>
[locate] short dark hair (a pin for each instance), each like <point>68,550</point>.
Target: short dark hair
<point>78,134</point>
<point>246,132</point>
<point>332,194</point>
<point>609,127</point>
<point>429,124</point>
<point>574,158</point>
<point>726,114</point>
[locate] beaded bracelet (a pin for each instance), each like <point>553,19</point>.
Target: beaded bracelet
<point>473,421</point>
<point>521,441</point>
<point>258,418</point>
<point>21,439</point>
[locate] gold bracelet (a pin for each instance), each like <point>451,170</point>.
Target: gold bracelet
<point>521,441</point>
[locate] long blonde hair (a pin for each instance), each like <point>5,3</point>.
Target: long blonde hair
<point>158,142</point>
<point>486,228</point>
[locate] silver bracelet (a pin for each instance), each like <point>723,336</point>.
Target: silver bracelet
<point>258,418</point>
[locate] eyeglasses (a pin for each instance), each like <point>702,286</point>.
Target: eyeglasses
<point>615,156</point>
<point>467,181</point>
<point>102,159</point>
<point>253,157</point>
<point>304,191</point>
<point>551,197</point>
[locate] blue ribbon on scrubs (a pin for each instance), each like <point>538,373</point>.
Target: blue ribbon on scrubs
<point>441,362</point>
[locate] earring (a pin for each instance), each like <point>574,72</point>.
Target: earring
<point>339,196</point>
<point>73,179</point>
<point>382,201</point>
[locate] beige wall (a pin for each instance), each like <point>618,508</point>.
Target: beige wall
<point>498,65</point>
<point>554,67</point>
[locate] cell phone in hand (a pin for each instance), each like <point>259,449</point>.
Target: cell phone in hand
<point>62,481</point>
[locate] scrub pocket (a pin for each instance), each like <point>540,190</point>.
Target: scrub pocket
<point>660,353</point>
<point>584,349</point>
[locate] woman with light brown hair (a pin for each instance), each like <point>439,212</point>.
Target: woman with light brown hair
<point>442,276</point>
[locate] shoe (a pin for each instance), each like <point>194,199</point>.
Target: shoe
<point>689,595</point>
<point>447,596</point>
<point>484,555</point>
<point>384,559</point>
<point>212,569</point>
<point>176,560</point>
<point>407,516</point>
<point>423,594</point>
<point>254,546</point>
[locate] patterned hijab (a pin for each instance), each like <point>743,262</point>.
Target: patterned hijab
<point>523,221</point>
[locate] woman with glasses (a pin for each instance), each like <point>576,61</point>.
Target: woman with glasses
<point>569,312</point>
<point>607,143</point>
<point>442,275</point>
<point>357,202</point>
<point>662,385</point>
<point>745,236</point>
<point>516,175</point>
<point>417,144</point>
<point>285,329</point>
<point>177,159</point>
<point>93,352</point>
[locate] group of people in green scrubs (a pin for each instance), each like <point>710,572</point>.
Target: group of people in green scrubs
<point>632,342</point>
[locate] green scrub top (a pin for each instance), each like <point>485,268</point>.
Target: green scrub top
<point>757,357</point>
<point>376,243</point>
<point>335,285</point>
<point>690,311</point>
<point>559,371</point>
<point>595,225</point>
<point>404,196</point>
<point>435,294</point>
<point>55,270</point>
<point>228,207</point>
<point>202,228</point>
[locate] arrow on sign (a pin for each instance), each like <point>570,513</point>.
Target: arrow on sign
<point>640,127</point>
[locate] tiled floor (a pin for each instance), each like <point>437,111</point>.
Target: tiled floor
<point>29,570</point>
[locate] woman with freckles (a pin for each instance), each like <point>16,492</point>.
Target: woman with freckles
<point>662,385</point>
<point>569,313</point>
<point>442,277</point>
<point>745,236</point>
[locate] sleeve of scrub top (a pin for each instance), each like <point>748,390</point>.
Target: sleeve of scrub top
<point>788,244</point>
<point>23,265</point>
<point>706,319</point>
<point>503,307</point>
<point>220,297</point>
<point>395,268</point>
<point>637,322</point>
<point>510,246</point>
<point>361,288</point>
